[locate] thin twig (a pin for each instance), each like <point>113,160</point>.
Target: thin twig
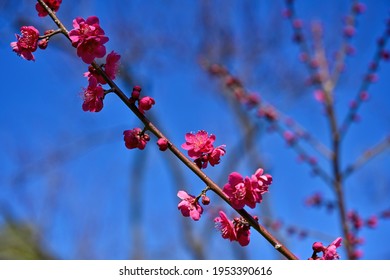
<point>342,52</point>
<point>368,155</point>
<point>366,83</point>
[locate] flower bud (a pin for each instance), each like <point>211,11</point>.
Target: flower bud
<point>42,44</point>
<point>145,103</point>
<point>205,200</point>
<point>318,247</point>
<point>162,144</point>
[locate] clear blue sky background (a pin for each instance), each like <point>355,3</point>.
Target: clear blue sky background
<point>68,172</point>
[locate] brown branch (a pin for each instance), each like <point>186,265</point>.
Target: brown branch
<point>327,88</point>
<point>327,85</point>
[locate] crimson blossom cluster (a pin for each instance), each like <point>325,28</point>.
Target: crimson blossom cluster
<point>240,191</point>
<point>88,37</point>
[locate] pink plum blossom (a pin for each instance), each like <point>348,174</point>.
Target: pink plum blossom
<point>236,190</point>
<point>237,229</point>
<point>243,231</point>
<point>26,43</point>
<point>201,149</point>
<point>189,206</point>
<point>88,37</point>
<point>92,72</point>
<point>198,144</point>
<point>110,68</point>
<point>214,157</point>
<point>93,97</point>
<point>225,226</point>
<point>247,191</point>
<point>263,180</point>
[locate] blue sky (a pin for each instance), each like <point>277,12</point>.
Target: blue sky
<point>68,173</point>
